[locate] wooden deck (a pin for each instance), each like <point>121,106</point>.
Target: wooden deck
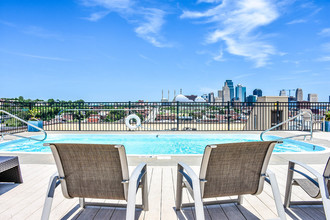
<point>25,201</point>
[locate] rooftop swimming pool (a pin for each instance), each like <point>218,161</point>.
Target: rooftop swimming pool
<point>140,144</point>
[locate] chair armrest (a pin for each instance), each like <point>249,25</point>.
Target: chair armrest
<point>322,183</point>
<point>133,186</point>
<point>53,183</point>
<point>190,176</point>
<point>309,169</point>
<point>137,174</point>
<point>306,167</point>
<point>194,182</point>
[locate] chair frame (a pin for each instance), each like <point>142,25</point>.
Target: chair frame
<point>138,179</point>
<point>322,181</point>
<point>187,178</point>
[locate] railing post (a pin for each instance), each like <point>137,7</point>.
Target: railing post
<point>177,115</point>
<point>277,113</point>
<point>228,115</point>
<point>79,116</point>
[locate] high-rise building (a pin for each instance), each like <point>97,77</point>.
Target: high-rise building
<point>240,93</point>
<point>230,84</point>
<point>251,98</point>
<point>283,92</point>
<point>220,96</point>
<point>299,95</point>
<point>313,97</point>
<point>257,92</point>
<point>225,93</point>
<point>219,93</point>
<point>211,97</point>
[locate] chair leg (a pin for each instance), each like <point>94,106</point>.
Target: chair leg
<point>82,203</point>
<point>179,188</point>
<point>49,197</point>
<point>144,189</point>
<point>288,188</point>
<point>277,195</point>
<point>240,200</point>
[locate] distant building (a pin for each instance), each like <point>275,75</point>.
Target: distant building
<point>211,97</point>
<point>251,98</point>
<point>220,94</point>
<point>205,96</point>
<point>283,92</point>
<point>218,99</point>
<point>181,98</point>
<point>191,97</point>
<point>200,99</point>
<point>291,99</point>
<point>240,93</point>
<point>313,97</point>
<point>225,93</point>
<point>257,92</point>
<point>299,95</point>
<point>230,84</point>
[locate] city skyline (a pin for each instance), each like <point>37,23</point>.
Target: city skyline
<point>109,51</point>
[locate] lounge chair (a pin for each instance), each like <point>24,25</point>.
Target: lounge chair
<point>10,170</point>
<point>229,170</point>
<point>316,187</point>
<point>96,171</point>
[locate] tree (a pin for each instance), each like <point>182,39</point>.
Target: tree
<point>21,99</point>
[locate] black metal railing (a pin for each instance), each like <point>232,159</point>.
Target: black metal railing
<point>158,116</point>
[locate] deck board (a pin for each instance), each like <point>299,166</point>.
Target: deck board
<point>25,201</point>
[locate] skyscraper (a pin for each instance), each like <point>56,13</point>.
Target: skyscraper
<point>240,93</point>
<point>220,96</point>
<point>283,92</point>
<point>313,98</point>
<point>225,93</point>
<point>220,93</point>
<point>299,95</point>
<point>230,84</point>
<point>257,92</point>
<point>211,97</point>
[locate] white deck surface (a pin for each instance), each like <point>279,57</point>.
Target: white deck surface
<point>25,201</point>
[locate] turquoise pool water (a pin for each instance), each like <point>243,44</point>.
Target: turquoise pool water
<point>154,145</point>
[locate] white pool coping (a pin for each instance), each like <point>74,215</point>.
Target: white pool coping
<point>191,159</point>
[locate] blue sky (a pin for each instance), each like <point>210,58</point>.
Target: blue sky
<point>113,50</point>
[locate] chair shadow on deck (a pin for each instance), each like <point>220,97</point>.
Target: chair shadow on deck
<point>97,212</point>
<point>5,187</point>
<point>223,211</point>
<point>306,212</point>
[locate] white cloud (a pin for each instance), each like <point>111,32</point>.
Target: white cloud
<point>37,56</point>
<point>323,59</point>
<point>297,21</point>
<point>325,32</point>
<point>97,15</point>
<point>149,20</point>
<point>236,23</point>
<point>109,4</point>
<point>209,1</point>
<point>149,28</point>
